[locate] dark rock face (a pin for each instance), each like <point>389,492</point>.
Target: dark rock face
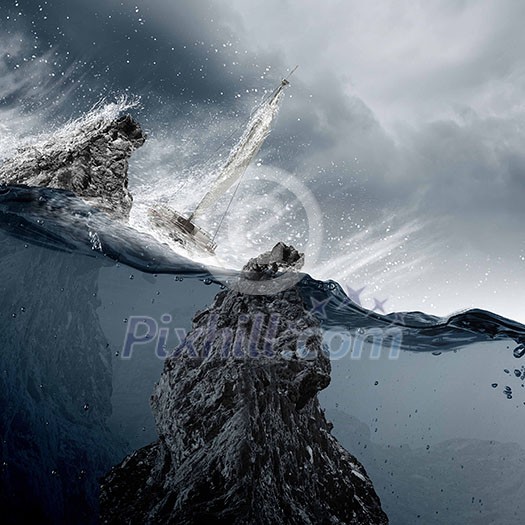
<point>280,258</point>
<point>93,164</point>
<point>55,387</point>
<point>242,438</point>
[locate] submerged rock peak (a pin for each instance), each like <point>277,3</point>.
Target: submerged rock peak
<point>242,437</point>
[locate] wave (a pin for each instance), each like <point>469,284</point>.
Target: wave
<point>418,331</point>
<point>58,220</point>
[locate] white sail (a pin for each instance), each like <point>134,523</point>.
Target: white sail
<point>244,151</point>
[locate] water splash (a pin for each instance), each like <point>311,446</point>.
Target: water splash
<point>75,132</point>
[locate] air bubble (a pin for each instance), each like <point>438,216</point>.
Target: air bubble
<point>519,351</point>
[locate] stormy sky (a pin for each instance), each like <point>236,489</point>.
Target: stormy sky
<point>404,122</point>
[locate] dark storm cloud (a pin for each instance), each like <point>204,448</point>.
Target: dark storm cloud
<point>334,142</point>
<point>473,166</point>
<point>174,50</point>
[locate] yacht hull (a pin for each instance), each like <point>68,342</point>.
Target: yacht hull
<point>181,230</point>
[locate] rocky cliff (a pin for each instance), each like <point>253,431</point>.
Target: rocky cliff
<point>90,159</point>
<point>55,362</point>
<point>242,437</point>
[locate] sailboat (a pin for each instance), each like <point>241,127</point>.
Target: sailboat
<point>185,230</point>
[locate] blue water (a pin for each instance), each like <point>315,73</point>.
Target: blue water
<point>58,220</point>
<point>71,407</point>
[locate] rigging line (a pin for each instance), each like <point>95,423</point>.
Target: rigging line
<point>208,160</point>
<point>264,100</point>
<point>185,182</point>
<point>213,154</point>
<point>227,209</point>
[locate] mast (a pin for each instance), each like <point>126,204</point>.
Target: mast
<point>258,128</point>
<point>183,230</point>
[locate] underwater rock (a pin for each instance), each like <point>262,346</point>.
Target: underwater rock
<point>91,161</point>
<point>242,437</point>
<point>55,387</point>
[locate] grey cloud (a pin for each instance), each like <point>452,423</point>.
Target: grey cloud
<point>476,167</point>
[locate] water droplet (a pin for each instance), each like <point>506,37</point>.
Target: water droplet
<point>132,277</point>
<point>207,281</point>
<point>86,406</point>
<point>494,385</point>
<point>517,372</point>
<point>376,383</point>
<point>506,370</point>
